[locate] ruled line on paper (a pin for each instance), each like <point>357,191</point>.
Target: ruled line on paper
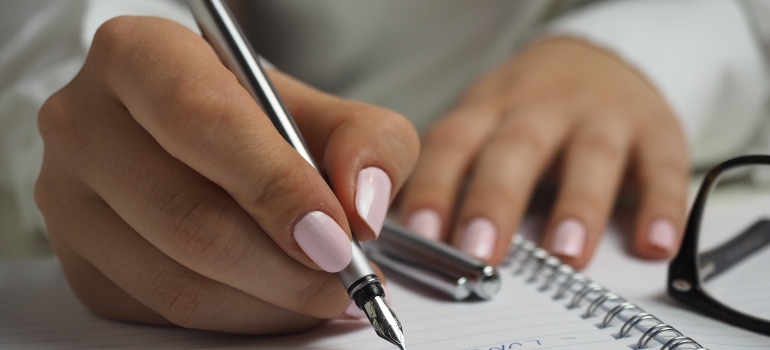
<point>41,313</point>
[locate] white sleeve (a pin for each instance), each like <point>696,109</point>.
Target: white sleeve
<point>704,57</point>
<point>42,55</point>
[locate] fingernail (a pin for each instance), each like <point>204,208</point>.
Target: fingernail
<point>426,223</point>
<point>569,239</point>
<point>373,197</point>
<point>353,311</point>
<point>479,238</point>
<point>323,241</point>
<point>663,235</point>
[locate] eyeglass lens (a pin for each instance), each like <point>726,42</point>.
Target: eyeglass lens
<point>734,240</point>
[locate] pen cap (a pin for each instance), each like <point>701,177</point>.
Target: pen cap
<point>435,264</point>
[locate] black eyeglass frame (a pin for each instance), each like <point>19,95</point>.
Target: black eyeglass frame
<point>684,283</point>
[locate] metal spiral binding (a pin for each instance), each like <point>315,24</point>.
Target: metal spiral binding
<point>587,289</point>
<point>544,261</point>
<point>616,310</point>
<point>633,321</point>
<point>680,340</point>
<point>542,265</point>
<point>538,256</point>
<point>652,332</point>
<point>530,254</point>
<point>560,270</point>
<point>573,279</point>
<point>607,296</point>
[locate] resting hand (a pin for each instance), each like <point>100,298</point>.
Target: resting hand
<point>560,102</point>
<point>169,197</point>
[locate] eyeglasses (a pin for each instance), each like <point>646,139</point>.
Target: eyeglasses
<point>722,269</point>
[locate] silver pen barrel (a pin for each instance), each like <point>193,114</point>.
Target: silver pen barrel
<point>434,264</point>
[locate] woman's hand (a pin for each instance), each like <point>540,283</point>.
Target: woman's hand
<point>560,102</point>
<point>169,196</point>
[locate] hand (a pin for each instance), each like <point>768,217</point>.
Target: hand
<point>169,196</point>
<point>560,101</point>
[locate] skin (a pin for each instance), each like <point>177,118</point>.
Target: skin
<point>170,199</point>
<point>562,104</point>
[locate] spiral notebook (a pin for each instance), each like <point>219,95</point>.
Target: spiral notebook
<point>543,305</point>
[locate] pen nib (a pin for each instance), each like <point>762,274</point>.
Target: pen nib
<point>384,321</point>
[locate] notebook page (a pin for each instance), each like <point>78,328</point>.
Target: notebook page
<point>39,312</point>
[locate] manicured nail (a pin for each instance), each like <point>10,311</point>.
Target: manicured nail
<point>323,241</point>
<point>426,223</point>
<point>663,235</point>
<point>354,312</point>
<point>569,239</point>
<point>479,238</point>
<point>373,197</point>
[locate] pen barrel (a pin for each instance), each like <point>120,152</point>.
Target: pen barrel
<point>358,268</point>
<point>224,35</point>
<point>432,263</point>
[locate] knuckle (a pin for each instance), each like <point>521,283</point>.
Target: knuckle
<point>320,295</point>
<point>202,227</point>
<point>525,135</point>
<point>450,134</point>
<point>671,167</point>
<point>589,200</point>
<point>600,145</point>
<point>55,119</point>
<point>398,133</point>
<point>184,299</point>
<point>42,194</point>
<point>113,39</point>
<point>279,185</point>
<point>404,130</point>
<point>196,107</point>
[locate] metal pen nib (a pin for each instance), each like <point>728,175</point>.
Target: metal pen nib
<point>365,289</point>
<point>384,321</point>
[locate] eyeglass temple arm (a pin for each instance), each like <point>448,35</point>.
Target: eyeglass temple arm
<point>715,261</point>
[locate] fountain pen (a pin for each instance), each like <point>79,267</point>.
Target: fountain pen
<point>220,29</point>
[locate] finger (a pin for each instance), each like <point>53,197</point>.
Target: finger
<point>177,210</point>
<point>98,293</point>
<point>368,152</point>
<point>663,172</point>
<point>199,114</point>
<point>148,287</point>
<point>448,151</point>
<point>593,167</point>
<point>503,179</point>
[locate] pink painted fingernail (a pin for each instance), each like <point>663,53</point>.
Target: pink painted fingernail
<point>324,241</point>
<point>426,223</point>
<point>373,197</point>
<point>354,312</point>
<point>663,235</point>
<point>569,239</point>
<point>479,238</point>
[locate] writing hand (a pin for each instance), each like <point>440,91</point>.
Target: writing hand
<point>169,197</point>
